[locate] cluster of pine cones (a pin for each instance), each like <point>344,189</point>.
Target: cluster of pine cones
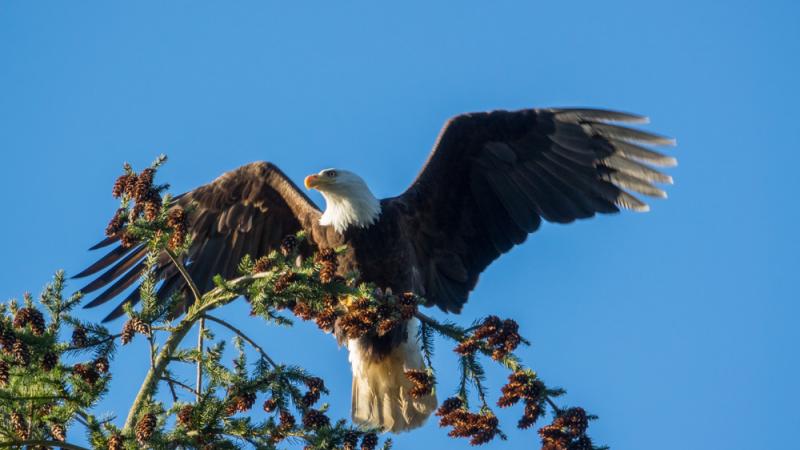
<point>524,385</point>
<point>29,317</point>
<point>147,204</point>
<point>239,402</point>
<point>423,383</point>
<point>369,441</point>
<point>363,317</point>
<point>500,336</point>
<point>479,427</point>
<point>567,431</point>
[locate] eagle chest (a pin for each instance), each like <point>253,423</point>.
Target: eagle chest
<point>380,254</point>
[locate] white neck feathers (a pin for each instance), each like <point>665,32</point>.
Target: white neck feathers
<point>356,207</point>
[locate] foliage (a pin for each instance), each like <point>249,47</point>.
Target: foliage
<point>43,396</point>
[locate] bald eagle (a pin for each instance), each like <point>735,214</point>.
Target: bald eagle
<point>490,180</point>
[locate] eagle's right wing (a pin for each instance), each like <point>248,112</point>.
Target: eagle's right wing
<point>492,177</point>
<point>246,211</point>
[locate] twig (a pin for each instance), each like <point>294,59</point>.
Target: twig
<point>185,273</point>
<point>199,380</point>
<point>243,336</point>
<point>175,382</point>
<point>552,404</point>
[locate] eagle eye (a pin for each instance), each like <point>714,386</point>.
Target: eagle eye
<point>330,174</point>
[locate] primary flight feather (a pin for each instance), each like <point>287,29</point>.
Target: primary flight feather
<point>490,181</point>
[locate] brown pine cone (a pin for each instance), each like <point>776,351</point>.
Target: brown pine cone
<point>327,273</point>
<point>288,245</point>
<point>21,318</point>
<point>270,405</point>
<point>87,373</point>
<point>19,425</point>
<point>326,319</point>
<point>127,332</point>
<point>582,443</point>
<point>115,442</point>
<point>119,186</point>
<point>283,281</point>
<point>349,440</point>
<point>21,353</point>
<point>58,432</point>
<point>140,326</point>
<point>101,364</point>
<point>315,419</point>
<point>49,361</point>
<point>302,310</point>
<point>185,415</point>
<point>145,427</point>
<point>576,421</point>
<point>423,383</point>
<point>7,338</point>
<point>287,421</point>
<point>467,347</point>
<point>262,264</point>
<point>79,338</point>
<point>144,184</point>
<point>151,209</point>
<point>4,373</point>
<point>116,223</point>
<point>369,441</point>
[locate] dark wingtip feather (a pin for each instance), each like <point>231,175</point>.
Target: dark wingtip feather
<point>104,243</point>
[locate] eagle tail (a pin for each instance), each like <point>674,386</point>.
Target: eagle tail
<point>381,395</point>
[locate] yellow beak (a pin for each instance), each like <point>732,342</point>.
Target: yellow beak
<point>311,181</point>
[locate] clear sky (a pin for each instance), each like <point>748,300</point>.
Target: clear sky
<point>677,327</point>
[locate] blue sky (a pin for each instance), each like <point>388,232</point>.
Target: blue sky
<point>676,327</point>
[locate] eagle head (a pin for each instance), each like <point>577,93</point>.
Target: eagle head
<point>349,202</point>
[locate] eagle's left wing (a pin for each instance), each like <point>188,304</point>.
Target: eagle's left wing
<point>246,211</point>
<point>492,177</point>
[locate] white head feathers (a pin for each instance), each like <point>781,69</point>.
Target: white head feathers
<point>349,200</point>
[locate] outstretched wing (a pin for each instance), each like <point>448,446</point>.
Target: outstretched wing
<point>492,177</point>
<point>246,211</point>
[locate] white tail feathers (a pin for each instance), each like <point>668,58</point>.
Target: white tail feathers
<point>381,390</point>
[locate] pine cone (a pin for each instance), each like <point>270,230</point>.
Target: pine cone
<point>369,441</point>
<point>288,245</point>
<point>146,427</point>
<point>7,338</point>
<point>87,373</point>
<point>287,421</point>
<point>4,373</point>
<point>79,337</point>
<point>116,223</point>
<point>49,361</point>
<point>270,405</point>
<point>22,355</point>
<point>127,333</point>
<point>302,310</point>
<point>144,183</point>
<point>58,432</point>
<point>185,415</point>
<point>115,442</point>
<point>262,264</point>
<point>151,208</point>
<point>315,419</point>
<point>101,364</point>
<point>423,383</point>
<point>119,186</point>
<point>349,440</point>
<point>326,319</point>
<point>140,326</point>
<point>19,425</point>
<point>283,281</point>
